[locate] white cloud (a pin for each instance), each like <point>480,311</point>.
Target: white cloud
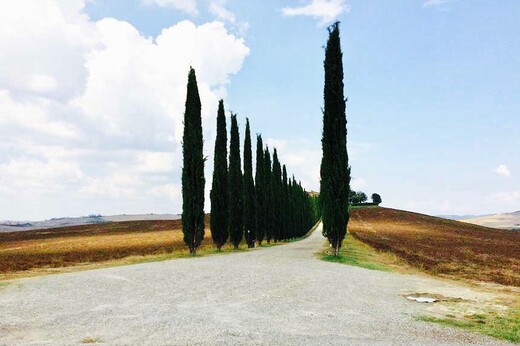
<point>217,7</point>
<point>118,185</point>
<point>503,171</point>
<point>32,116</point>
<point>172,191</point>
<point>149,82</point>
<point>302,159</point>
<point>325,11</point>
<point>156,162</point>
<point>512,197</point>
<point>27,175</point>
<point>431,3</point>
<point>358,183</point>
<point>102,102</point>
<point>44,44</point>
<point>42,83</point>
<point>188,6</point>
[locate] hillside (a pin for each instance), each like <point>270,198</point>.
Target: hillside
<point>67,246</point>
<point>502,221</point>
<point>441,246</point>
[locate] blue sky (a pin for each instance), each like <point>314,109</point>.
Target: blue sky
<point>433,111</point>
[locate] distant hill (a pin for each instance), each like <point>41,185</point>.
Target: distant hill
<point>500,221</point>
<point>460,217</point>
<point>13,226</point>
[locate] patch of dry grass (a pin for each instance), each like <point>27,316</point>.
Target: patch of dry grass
<point>499,324</point>
<point>356,253</point>
<point>68,249</point>
<point>441,247</point>
<point>61,247</point>
<point>49,251</point>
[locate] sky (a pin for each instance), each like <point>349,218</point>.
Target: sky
<point>92,98</point>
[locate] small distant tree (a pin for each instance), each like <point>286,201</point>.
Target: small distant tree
<point>192,169</point>
<point>236,216</point>
<point>376,199</point>
<point>219,189</point>
<point>358,197</point>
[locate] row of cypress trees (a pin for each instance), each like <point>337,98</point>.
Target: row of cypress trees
<point>285,209</point>
<point>272,206</point>
<point>267,207</point>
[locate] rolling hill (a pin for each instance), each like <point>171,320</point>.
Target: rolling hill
<point>501,221</point>
<point>440,246</point>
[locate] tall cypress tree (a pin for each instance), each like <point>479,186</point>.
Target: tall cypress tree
<point>249,191</point>
<point>268,197</point>
<point>335,175</point>
<point>193,169</point>
<point>284,205</point>
<point>219,189</point>
<point>236,216</point>
<point>294,209</point>
<point>277,196</point>
<point>260,191</point>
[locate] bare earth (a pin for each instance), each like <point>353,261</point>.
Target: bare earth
<point>281,295</point>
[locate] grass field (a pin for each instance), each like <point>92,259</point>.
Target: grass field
<point>441,247</point>
<point>388,239</point>
<point>46,251</point>
<point>355,252</point>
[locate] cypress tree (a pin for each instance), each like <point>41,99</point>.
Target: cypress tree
<point>294,211</point>
<point>335,176</point>
<point>249,191</point>
<point>260,191</point>
<point>284,205</point>
<point>219,189</point>
<point>268,197</point>
<point>193,168</point>
<point>276,197</point>
<point>236,216</point>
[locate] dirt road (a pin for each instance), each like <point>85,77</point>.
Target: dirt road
<point>280,295</point>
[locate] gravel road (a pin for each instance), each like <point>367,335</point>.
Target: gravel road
<point>281,295</point>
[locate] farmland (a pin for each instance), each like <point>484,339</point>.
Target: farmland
<point>441,247</point>
<point>42,251</point>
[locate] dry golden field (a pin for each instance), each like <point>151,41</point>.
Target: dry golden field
<point>439,246</point>
<point>68,246</point>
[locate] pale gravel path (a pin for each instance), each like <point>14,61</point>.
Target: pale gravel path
<point>278,296</point>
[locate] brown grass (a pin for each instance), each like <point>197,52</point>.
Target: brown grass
<point>439,246</point>
<point>69,246</point>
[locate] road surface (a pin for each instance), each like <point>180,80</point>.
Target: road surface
<point>281,295</point>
